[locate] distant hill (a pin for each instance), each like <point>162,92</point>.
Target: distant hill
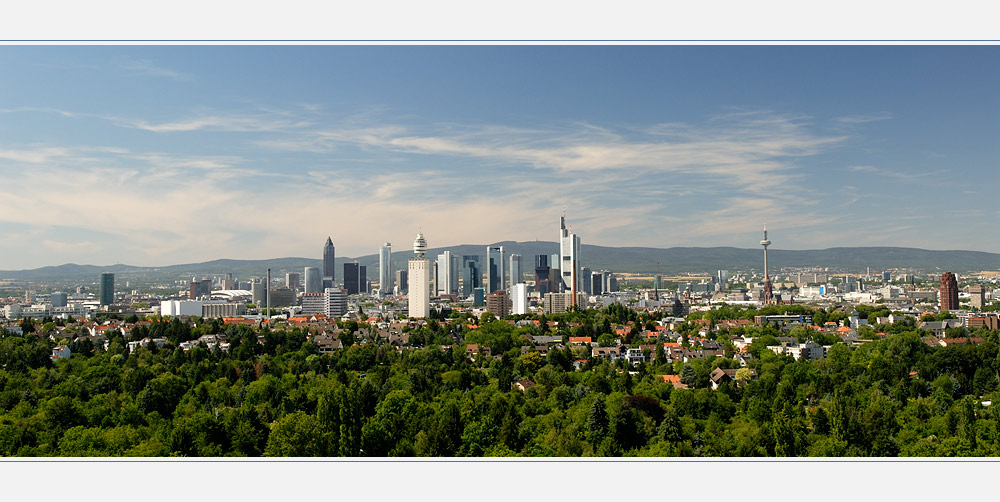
<point>627,259</point>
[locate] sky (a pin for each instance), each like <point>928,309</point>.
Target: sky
<point>159,155</point>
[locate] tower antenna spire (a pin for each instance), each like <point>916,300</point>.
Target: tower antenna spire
<point>768,294</point>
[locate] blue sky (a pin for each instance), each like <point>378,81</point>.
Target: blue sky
<point>156,155</point>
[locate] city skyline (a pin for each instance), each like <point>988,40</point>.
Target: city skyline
<point>166,155</point>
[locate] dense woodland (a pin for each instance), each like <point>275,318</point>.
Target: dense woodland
<point>274,395</point>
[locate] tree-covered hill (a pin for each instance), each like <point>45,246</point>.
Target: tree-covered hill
<point>273,394</point>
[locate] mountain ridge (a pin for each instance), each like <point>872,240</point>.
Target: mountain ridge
<point>616,259</point>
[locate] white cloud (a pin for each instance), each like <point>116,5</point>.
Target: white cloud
<point>664,185</point>
<point>147,67</point>
<point>245,123</point>
<point>864,119</point>
<point>889,173</point>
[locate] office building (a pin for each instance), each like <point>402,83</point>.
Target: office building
<point>949,292</point>
<point>542,269</point>
<point>498,303</point>
<point>353,278</point>
<point>569,266</point>
<point>434,277</point>
<point>282,297</point>
<point>448,271</point>
<point>519,298</point>
<point>313,303</point>
<point>292,281</point>
<point>220,309</point>
<point>514,270</point>
<point>385,269</point>
<point>556,303</point>
<point>609,283</point>
<point>257,292</point>
<point>723,277</point>
<point>229,283</point>
<point>174,308</point>
<point>478,297</point>
<point>977,298</point>
<point>199,289</point>
<point>596,283</point>
<point>494,268</point>
<point>419,276</point>
<point>107,288</point>
<point>471,274</point>
<point>58,299</point>
<point>401,284</point>
<point>329,254</point>
<point>314,282</point>
<point>336,302</point>
<point>586,284</point>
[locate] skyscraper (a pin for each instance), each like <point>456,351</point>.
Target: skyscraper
<point>107,288</point>
<point>471,274</point>
<point>58,299</point>
<point>586,284</point>
<point>515,272</point>
<point>385,269</point>
<point>419,276</point>
<point>949,292</point>
<point>977,296</point>
<point>448,270</point>
<point>257,291</point>
<point>329,268</point>
<point>494,268</point>
<point>292,280</point>
<point>519,298</point>
<point>352,278</point>
<point>569,253</point>
<point>314,283</point>
<point>198,289</point>
<point>597,283</point>
<point>723,276</point>
<point>401,282</point>
<point>542,268</point>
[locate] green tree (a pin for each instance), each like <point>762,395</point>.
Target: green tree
<point>294,435</point>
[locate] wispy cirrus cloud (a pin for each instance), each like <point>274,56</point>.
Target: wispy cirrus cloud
<point>864,118</point>
<point>705,182</point>
<point>149,68</point>
<point>232,123</point>
<point>900,175</point>
<point>756,151</point>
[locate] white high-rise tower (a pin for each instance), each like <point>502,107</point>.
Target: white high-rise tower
<point>385,269</point>
<point>569,259</point>
<point>419,272</point>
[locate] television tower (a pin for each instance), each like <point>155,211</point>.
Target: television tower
<point>768,294</point>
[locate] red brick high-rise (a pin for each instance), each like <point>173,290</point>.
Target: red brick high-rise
<point>949,292</point>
